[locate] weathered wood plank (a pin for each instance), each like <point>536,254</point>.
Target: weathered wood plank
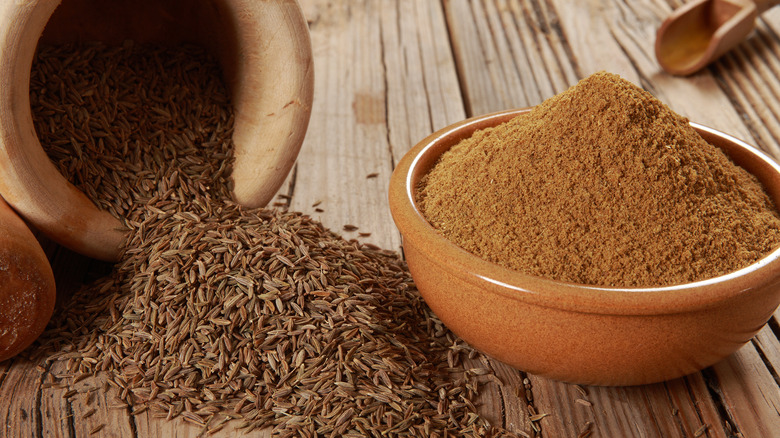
<point>20,399</point>
<point>749,392</point>
<point>475,53</point>
<point>768,345</point>
<point>749,76</point>
<point>662,410</point>
<point>514,397</point>
<point>423,93</point>
<point>507,54</point>
<point>347,137</point>
<point>57,416</point>
<point>533,41</point>
<point>692,414</point>
<point>91,411</point>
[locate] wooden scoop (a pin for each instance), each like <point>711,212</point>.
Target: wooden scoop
<point>703,30</point>
<point>263,48</point>
<point>27,290</point>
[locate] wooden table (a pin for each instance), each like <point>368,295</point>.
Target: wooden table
<point>389,72</point>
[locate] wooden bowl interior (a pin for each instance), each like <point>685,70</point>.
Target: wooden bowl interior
<point>263,51</point>
<point>148,21</point>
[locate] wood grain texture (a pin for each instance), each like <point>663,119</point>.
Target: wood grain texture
<point>19,403</point>
<point>390,72</point>
<point>348,133</point>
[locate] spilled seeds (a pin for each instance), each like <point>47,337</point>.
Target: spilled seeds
<point>216,312</point>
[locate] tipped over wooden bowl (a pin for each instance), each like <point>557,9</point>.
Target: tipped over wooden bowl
<point>577,333</point>
<point>265,54</point>
<point>27,287</point>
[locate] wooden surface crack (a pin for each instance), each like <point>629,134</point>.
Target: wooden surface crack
<point>716,393</point>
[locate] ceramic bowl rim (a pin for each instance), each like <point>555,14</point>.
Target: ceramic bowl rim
<point>468,267</point>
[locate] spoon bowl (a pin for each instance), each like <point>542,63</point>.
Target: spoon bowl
<point>701,31</point>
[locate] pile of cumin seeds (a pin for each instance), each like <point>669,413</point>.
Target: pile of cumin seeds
<point>216,312</point>
<point>320,336</point>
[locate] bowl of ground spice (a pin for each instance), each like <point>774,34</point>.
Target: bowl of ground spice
<point>598,238</point>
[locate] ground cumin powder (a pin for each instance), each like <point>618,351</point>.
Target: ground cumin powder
<point>603,185</point>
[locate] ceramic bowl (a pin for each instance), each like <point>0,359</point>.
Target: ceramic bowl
<point>264,52</point>
<point>577,333</point>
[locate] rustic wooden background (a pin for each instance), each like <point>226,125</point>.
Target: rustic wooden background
<point>389,72</point>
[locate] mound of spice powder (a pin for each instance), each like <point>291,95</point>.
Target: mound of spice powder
<point>603,185</point>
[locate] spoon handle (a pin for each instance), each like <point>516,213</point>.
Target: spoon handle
<point>763,5</point>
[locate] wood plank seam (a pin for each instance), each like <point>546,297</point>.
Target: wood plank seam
<point>528,393</point>
<point>697,407</point>
<point>131,420</point>
<point>675,411</point>
<point>386,101</point>
<point>38,401</point>
<point>556,26</point>
<point>740,102</point>
<point>520,52</point>
<point>551,21</point>
<point>452,42</point>
<point>770,35</point>
<point>754,70</point>
<point>769,366</point>
<point>716,393</point>
<point>733,70</point>
<point>774,326</point>
<point>501,395</point>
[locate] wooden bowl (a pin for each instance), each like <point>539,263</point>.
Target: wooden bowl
<point>27,288</point>
<point>576,333</point>
<point>265,53</point>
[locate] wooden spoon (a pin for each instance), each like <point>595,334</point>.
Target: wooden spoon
<point>27,290</point>
<point>263,48</point>
<point>701,31</point>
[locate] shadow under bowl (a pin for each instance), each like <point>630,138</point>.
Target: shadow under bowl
<point>578,333</point>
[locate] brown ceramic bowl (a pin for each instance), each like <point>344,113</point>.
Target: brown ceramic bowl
<point>577,333</point>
